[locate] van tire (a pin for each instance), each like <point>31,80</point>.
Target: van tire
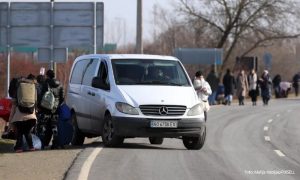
<point>156,140</point>
<point>78,136</point>
<point>109,138</point>
<point>194,143</point>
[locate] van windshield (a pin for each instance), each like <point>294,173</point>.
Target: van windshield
<point>149,72</point>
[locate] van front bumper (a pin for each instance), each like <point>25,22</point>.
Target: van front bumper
<point>140,127</point>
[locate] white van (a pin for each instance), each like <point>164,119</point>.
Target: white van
<point>124,96</point>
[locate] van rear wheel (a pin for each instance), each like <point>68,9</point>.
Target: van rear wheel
<point>194,143</point>
<point>78,136</point>
<point>109,137</point>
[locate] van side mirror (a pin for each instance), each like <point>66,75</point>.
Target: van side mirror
<point>97,82</point>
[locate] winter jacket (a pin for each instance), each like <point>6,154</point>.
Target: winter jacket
<point>202,84</point>
<point>229,84</point>
<point>57,90</point>
<point>241,85</point>
<point>265,84</point>
<point>16,115</point>
<point>252,81</point>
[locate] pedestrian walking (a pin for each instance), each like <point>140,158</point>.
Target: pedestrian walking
<point>265,84</point>
<point>276,85</point>
<point>213,81</point>
<point>229,86</point>
<point>203,91</point>
<point>52,98</point>
<point>253,88</point>
<point>241,87</point>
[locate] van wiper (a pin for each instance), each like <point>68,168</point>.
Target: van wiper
<point>174,84</point>
<point>159,83</point>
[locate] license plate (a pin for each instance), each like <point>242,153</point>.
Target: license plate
<point>163,124</point>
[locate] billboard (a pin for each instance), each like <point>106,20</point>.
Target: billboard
<point>52,26</point>
<point>199,55</point>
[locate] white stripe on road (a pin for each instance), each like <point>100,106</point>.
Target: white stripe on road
<point>266,128</point>
<point>270,120</point>
<point>277,115</point>
<point>279,153</point>
<point>267,138</point>
<point>85,169</point>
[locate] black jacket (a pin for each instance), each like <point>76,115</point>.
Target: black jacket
<point>229,84</point>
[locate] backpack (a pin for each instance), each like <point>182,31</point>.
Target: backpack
<point>26,96</point>
<point>49,101</point>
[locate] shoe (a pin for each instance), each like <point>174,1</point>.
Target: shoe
<point>54,147</point>
<point>32,149</point>
<point>18,150</point>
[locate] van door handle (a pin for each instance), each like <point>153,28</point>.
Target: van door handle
<point>91,93</point>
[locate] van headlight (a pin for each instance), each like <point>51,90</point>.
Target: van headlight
<point>196,110</point>
<point>126,108</point>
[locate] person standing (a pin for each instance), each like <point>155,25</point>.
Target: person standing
<point>296,81</point>
<point>253,89</point>
<point>265,84</point>
<point>23,112</point>
<point>50,115</point>
<point>203,91</point>
<point>229,85</point>
<point>213,81</point>
<point>241,86</point>
<point>276,85</point>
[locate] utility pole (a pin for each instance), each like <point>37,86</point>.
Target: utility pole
<point>139,28</point>
<point>52,62</point>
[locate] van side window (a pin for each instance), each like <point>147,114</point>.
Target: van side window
<point>103,73</point>
<point>78,71</point>
<point>89,72</point>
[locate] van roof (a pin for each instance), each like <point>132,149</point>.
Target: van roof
<point>128,56</point>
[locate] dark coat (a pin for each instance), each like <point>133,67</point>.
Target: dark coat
<point>213,81</point>
<point>296,80</point>
<point>265,84</point>
<point>56,88</point>
<point>229,84</point>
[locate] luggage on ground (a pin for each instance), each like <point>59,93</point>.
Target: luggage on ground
<point>65,128</point>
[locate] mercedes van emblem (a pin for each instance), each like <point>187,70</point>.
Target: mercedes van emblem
<point>163,110</point>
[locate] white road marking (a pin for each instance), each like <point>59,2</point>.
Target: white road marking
<point>266,128</point>
<point>85,169</point>
<point>267,138</point>
<point>270,120</point>
<point>277,115</point>
<point>279,153</point>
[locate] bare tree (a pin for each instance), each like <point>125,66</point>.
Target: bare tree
<point>252,23</point>
<point>169,32</point>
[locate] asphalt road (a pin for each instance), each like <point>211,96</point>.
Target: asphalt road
<point>243,142</point>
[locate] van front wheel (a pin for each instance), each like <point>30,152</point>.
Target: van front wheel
<point>194,143</point>
<point>109,137</point>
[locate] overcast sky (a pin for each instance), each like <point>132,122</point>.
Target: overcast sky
<point>120,18</point>
<point>122,14</point>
